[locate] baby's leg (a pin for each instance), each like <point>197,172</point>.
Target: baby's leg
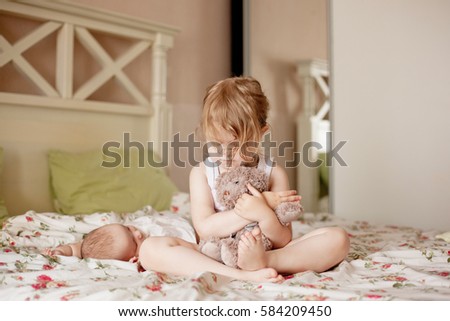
<point>176,256</point>
<point>317,251</point>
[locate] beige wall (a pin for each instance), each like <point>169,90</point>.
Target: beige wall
<point>281,34</point>
<point>200,57</point>
<point>390,101</point>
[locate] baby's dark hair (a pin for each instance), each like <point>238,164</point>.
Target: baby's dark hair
<point>98,244</point>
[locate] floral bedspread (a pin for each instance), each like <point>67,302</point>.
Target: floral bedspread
<point>385,263</point>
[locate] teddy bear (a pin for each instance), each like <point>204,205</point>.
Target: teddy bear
<point>230,186</point>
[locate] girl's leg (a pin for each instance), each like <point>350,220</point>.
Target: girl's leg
<point>176,256</point>
<point>317,251</point>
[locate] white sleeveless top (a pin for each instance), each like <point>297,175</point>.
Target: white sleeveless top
<point>265,163</point>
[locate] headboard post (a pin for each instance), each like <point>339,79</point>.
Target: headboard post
<point>65,58</point>
<point>309,127</point>
<point>161,120</point>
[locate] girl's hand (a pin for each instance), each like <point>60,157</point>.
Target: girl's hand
<point>252,207</point>
<point>273,199</point>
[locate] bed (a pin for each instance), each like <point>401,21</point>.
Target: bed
<point>384,263</point>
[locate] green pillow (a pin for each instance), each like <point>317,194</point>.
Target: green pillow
<point>81,185</point>
<point>3,210</point>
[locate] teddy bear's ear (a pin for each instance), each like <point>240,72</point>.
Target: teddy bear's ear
<point>258,179</point>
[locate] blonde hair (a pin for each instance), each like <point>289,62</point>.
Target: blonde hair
<point>99,244</point>
<point>236,105</point>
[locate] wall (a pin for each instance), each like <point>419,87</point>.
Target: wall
<point>390,101</point>
<point>200,57</point>
<point>281,34</point>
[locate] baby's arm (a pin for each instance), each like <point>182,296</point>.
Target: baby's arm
<point>72,249</point>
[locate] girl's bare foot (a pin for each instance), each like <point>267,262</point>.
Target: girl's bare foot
<point>262,275</point>
<point>251,252</point>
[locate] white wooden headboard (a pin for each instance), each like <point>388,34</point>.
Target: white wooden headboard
<point>65,111</point>
<point>312,125</point>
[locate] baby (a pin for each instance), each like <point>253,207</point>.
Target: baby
<point>127,243</point>
<point>111,241</point>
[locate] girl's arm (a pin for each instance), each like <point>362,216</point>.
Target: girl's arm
<point>207,222</point>
<point>256,208</point>
<point>273,199</point>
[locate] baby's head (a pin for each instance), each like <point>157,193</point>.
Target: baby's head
<point>112,241</point>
